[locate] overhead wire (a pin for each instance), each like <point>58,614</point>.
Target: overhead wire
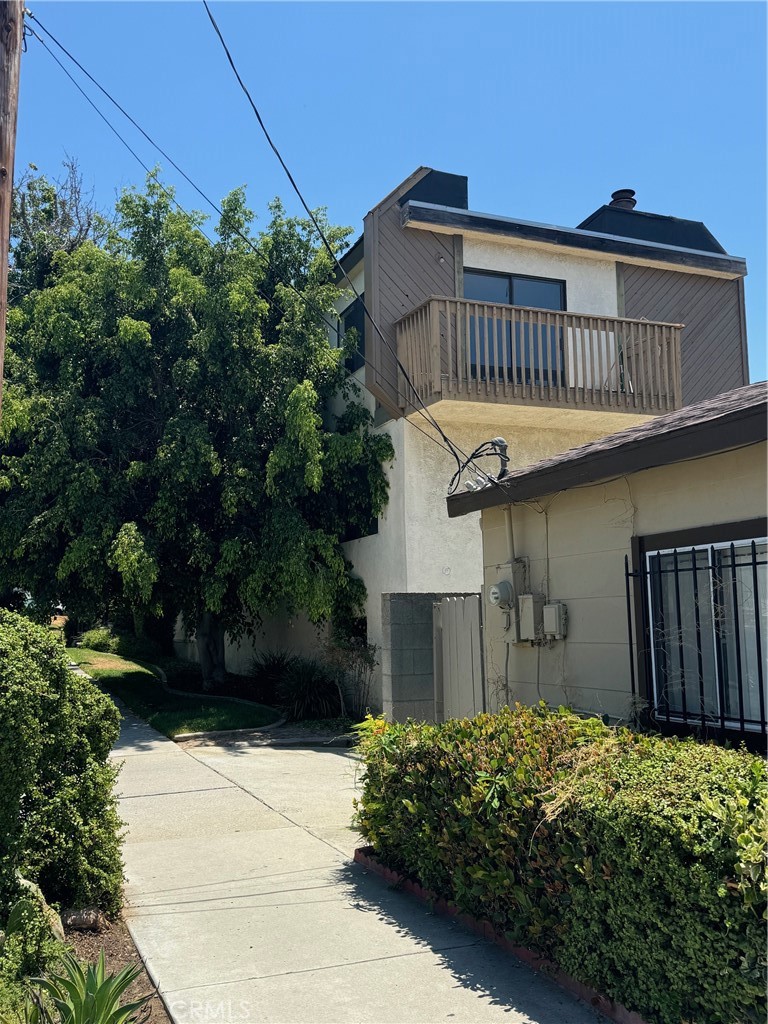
<point>151,173</point>
<point>461,458</point>
<point>448,447</point>
<point>406,376</point>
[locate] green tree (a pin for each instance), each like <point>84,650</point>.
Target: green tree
<point>167,442</point>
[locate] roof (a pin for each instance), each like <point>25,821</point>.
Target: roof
<point>731,420</point>
<point>653,227</point>
<point>457,220</point>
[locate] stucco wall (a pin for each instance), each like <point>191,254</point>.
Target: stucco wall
<point>281,632</point>
<point>586,533</point>
<point>590,284</point>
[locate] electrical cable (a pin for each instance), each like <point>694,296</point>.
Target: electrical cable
<point>455,448</point>
<point>448,447</point>
<point>172,198</point>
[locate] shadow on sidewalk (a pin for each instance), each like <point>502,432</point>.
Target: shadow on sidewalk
<point>476,965</point>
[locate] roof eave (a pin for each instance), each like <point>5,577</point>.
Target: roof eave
<point>732,430</point>
<point>445,217</point>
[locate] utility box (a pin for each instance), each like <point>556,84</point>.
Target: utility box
<point>555,620</point>
<point>531,618</point>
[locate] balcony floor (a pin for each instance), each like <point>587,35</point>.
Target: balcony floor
<point>507,414</point>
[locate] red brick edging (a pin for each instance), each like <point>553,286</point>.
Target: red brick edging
<point>366,857</point>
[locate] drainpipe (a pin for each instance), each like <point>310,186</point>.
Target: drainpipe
<point>508,627</point>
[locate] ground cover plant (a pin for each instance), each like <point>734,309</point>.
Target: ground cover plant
<point>140,689</point>
<point>636,863</point>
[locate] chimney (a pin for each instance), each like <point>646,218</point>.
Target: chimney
<point>624,199</point>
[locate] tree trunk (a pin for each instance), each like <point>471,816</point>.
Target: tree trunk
<point>210,650</point>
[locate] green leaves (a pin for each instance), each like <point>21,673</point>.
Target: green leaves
<point>166,442</point>
<point>636,863</point>
<point>87,995</point>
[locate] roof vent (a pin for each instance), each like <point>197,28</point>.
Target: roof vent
<point>624,199</point>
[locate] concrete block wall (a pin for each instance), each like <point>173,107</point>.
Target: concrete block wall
<point>407,671</point>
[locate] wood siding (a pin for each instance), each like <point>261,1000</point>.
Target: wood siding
<point>714,340</point>
<point>402,268</point>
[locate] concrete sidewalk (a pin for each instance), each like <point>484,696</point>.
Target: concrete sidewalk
<point>244,904</point>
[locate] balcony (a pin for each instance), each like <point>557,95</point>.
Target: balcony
<point>480,351</point>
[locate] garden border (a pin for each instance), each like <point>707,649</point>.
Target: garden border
<point>366,857</point>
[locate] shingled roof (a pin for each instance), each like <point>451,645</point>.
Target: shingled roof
<point>731,420</point>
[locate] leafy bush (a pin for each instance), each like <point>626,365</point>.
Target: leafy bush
<point>354,661</point>
<point>58,817</point>
<point>636,863</point>
<point>268,671</point>
<point>100,638</point>
<point>308,689</point>
<point>29,944</point>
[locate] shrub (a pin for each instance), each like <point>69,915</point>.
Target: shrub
<point>308,689</point>
<point>58,818</point>
<point>353,660</point>
<point>100,638</point>
<point>633,862</point>
<point>29,943</point>
<point>268,671</point>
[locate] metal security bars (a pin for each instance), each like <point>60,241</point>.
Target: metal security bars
<point>701,615</point>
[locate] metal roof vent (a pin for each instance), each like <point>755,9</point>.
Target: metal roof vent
<point>624,199</point>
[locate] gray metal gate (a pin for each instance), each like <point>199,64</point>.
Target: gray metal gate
<point>458,657</point>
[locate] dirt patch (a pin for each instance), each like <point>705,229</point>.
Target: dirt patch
<point>119,951</point>
<point>105,661</point>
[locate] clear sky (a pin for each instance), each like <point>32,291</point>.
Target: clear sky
<point>547,107</point>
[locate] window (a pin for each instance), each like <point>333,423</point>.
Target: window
<point>536,346</point>
<point>354,317</point>
<point>706,609</point>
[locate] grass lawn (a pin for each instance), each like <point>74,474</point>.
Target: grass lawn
<point>140,689</point>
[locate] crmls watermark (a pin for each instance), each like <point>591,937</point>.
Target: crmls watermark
<point>208,1011</point>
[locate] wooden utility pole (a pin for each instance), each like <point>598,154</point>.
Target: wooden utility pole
<point>11,35</point>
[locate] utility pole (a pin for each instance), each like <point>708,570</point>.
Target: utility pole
<point>11,35</point>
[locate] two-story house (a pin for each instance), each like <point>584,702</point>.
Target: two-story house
<point>549,336</point>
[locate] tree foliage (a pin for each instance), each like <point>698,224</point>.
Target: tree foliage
<point>167,441</point>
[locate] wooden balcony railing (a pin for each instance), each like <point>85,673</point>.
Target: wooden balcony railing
<point>457,348</point>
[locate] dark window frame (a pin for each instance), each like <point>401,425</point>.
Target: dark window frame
<point>510,275</point>
<point>355,308</point>
<point>641,615</point>
<point>521,372</point>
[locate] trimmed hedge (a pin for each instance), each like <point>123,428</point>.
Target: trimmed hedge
<point>58,819</point>
<point>635,863</point>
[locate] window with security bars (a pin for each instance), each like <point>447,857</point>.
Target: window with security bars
<point>708,620</point>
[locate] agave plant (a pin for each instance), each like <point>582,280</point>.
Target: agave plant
<point>85,995</point>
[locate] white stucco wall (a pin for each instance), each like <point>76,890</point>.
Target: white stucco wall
<point>590,284</point>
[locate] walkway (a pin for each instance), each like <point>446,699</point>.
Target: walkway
<point>245,907</point>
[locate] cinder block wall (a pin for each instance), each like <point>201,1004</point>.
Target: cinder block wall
<point>407,672</point>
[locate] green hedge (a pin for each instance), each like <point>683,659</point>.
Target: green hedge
<point>58,818</point>
<point>636,863</point>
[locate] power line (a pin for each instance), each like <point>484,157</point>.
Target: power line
<point>450,444</point>
<point>448,447</point>
<point>173,199</point>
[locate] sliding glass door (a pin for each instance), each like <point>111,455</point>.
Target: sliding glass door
<point>533,352</point>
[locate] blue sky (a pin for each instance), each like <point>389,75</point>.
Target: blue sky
<point>547,107</point>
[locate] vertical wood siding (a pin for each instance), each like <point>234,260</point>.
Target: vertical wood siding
<point>714,340</point>
<point>402,268</point>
